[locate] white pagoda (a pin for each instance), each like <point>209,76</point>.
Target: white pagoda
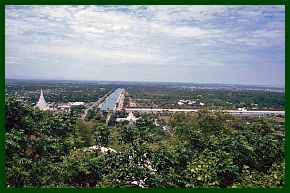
<point>41,104</point>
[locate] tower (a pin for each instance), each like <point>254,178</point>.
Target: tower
<point>41,104</point>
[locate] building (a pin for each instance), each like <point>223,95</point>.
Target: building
<point>242,109</point>
<point>41,104</point>
<point>76,103</point>
<point>131,118</point>
<point>64,107</point>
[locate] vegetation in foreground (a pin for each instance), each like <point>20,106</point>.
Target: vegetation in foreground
<point>208,149</point>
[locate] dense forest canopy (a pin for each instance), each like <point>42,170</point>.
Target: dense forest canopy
<point>206,149</point>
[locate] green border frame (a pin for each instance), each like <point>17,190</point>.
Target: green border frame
<point>137,2</point>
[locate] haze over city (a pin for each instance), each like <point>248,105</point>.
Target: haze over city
<point>198,44</point>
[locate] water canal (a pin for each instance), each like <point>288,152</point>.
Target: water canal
<point>111,101</point>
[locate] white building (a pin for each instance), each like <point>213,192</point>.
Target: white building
<point>180,103</point>
<point>242,109</point>
<point>41,104</point>
<point>76,103</point>
<point>64,107</point>
<point>131,118</point>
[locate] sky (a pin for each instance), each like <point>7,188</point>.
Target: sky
<point>198,44</point>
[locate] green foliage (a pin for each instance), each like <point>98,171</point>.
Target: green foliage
<point>57,91</point>
<point>274,178</point>
<point>33,147</point>
<point>128,135</point>
<point>212,98</point>
<point>25,117</point>
<point>95,115</point>
<point>84,129</point>
<point>60,125</point>
<point>121,114</point>
<point>78,109</point>
<point>102,135</point>
<point>211,122</point>
<point>213,169</point>
<point>204,150</point>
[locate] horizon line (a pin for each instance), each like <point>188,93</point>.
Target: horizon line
<point>143,81</point>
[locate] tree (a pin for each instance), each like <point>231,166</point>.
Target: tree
<point>204,150</point>
<point>85,131</point>
<point>128,135</point>
<point>211,121</point>
<point>102,134</point>
<point>213,169</point>
<point>34,148</point>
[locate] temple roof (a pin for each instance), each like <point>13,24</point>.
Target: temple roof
<point>41,104</point>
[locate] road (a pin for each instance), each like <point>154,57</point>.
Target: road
<point>235,112</point>
<point>121,100</point>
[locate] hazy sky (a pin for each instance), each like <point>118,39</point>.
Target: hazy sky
<point>201,44</point>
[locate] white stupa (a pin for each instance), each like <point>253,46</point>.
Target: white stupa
<point>41,104</point>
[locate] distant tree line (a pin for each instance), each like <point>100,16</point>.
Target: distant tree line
<point>212,98</point>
